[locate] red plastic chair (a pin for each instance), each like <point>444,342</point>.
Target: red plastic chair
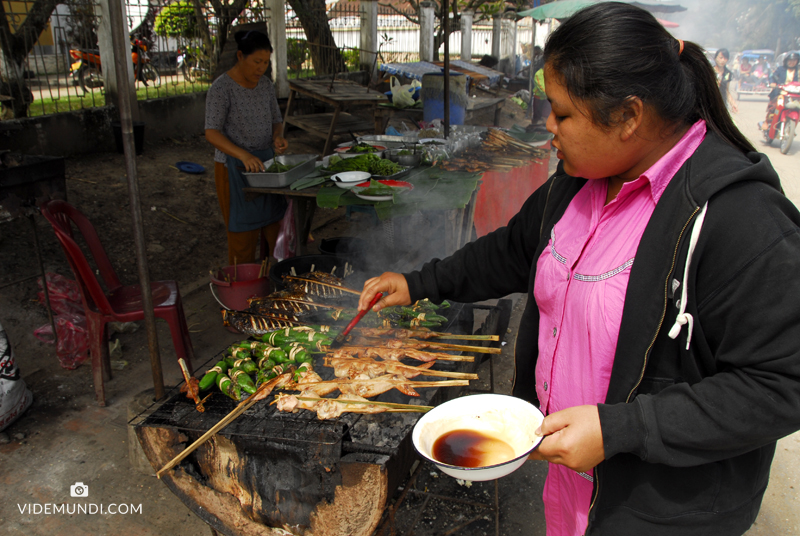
<point>118,302</point>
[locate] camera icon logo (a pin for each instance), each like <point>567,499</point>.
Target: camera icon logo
<point>79,489</point>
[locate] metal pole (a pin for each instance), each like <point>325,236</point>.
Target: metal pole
<point>446,31</point>
<point>531,74</point>
<point>125,114</point>
<point>44,280</point>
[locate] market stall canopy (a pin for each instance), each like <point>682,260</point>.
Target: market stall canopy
<point>566,8</point>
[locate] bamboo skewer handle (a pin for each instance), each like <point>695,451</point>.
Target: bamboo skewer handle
<point>243,406</point>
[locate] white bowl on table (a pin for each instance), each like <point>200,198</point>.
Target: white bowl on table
<point>349,179</point>
<point>509,419</point>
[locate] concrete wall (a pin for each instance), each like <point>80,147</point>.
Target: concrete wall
<point>89,130</point>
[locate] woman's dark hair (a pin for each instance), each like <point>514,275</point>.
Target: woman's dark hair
<point>792,56</point>
<point>249,42</point>
<point>608,52</point>
<point>724,52</point>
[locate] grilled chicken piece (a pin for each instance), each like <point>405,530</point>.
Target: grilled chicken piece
<point>379,385</point>
<point>351,367</point>
<point>330,408</point>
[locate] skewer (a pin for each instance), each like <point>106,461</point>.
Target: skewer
<point>411,383</point>
<point>423,372</point>
<point>445,346</point>
<point>263,391</point>
<point>188,378</point>
<point>391,405</point>
<point>314,281</point>
<point>439,357</point>
<point>434,334</point>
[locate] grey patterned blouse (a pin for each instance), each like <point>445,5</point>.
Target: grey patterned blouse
<point>245,116</point>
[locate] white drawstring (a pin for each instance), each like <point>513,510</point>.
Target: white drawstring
<point>683,317</point>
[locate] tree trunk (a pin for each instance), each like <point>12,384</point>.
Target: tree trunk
<point>16,46</point>
<point>325,55</point>
<point>226,13</point>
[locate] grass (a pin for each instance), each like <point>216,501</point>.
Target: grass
<point>97,98</point>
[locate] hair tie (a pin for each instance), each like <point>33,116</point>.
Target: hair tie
<point>680,47</point>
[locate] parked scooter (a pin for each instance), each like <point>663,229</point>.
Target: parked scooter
<point>783,118</point>
<point>192,65</point>
<point>87,69</point>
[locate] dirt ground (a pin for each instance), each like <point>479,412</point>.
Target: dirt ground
<point>65,437</point>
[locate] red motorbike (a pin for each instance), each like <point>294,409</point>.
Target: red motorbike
<point>783,118</point>
<point>87,73</point>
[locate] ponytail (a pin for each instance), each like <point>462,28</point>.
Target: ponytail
<point>608,52</point>
<point>709,104</point>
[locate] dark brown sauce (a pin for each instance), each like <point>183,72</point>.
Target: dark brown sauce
<point>470,448</point>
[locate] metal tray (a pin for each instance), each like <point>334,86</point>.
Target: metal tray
<point>303,165</point>
<point>390,142</point>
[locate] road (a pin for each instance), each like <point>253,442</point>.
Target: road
<point>779,513</point>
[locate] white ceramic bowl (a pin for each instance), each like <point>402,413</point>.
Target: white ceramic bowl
<point>348,179</point>
<point>510,419</point>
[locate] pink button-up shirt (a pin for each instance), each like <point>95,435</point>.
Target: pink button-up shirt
<point>581,280</point>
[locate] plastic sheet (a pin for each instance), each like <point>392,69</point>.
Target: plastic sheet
<point>287,235</point>
<point>73,335</point>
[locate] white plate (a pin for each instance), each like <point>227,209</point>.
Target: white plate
<point>375,197</point>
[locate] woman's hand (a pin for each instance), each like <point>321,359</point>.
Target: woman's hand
<point>252,163</point>
<point>573,438</point>
<point>393,285</point>
<point>280,144</point>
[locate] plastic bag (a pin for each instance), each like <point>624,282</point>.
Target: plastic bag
<point>403,95</point>
<point>15,397</point>
<point>73,339</point>
<point>287,235</point>
<point>64,294</point>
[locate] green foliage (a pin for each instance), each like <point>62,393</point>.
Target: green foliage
<point>352,58</point>
<point>177,20</point>
<point>296,53</point>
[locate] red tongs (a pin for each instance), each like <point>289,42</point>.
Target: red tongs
<point>339,340</point>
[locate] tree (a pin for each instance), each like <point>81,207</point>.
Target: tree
<point>15,49</point>
<point>325,55</point>
<point>177,20</point>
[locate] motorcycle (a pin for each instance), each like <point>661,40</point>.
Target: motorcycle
<point>782,119</point>
<point>192,66</point>
<point>87,69</point>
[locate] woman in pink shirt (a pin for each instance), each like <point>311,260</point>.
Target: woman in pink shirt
<point>661,336</point>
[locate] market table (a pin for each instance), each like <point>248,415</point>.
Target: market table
<point>415,70</point>
<point>385,111</point>
<point>340,94</point>
<point>451,193</point>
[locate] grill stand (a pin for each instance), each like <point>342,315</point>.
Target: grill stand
<point>243,482</point>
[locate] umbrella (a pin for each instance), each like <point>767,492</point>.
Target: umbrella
<point>566,8</point>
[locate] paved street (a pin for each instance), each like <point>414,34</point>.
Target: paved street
<point>779,513</point>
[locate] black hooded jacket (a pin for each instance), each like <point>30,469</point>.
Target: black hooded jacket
<point>689,434</point>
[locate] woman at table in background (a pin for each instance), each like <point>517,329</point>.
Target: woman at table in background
<point>661,335</point>
<point>244,124</point>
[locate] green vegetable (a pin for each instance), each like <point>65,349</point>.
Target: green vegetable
<point>277,167</point>
<point>228,388</point>
<point>211,376</point>
<point>367,162</point>
<point>244,381</point>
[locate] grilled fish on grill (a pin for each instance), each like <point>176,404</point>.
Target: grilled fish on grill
<point>251,324</point>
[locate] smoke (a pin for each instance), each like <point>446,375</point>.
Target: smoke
<point>709,23</point>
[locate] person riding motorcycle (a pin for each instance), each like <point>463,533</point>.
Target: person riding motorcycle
<point>785,74</point>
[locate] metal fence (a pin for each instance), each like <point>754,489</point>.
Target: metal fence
<point>179,44</point>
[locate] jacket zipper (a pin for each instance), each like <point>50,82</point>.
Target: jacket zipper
<point>649,348</point>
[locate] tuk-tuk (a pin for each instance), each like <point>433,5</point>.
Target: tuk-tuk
<point>756,80</point>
